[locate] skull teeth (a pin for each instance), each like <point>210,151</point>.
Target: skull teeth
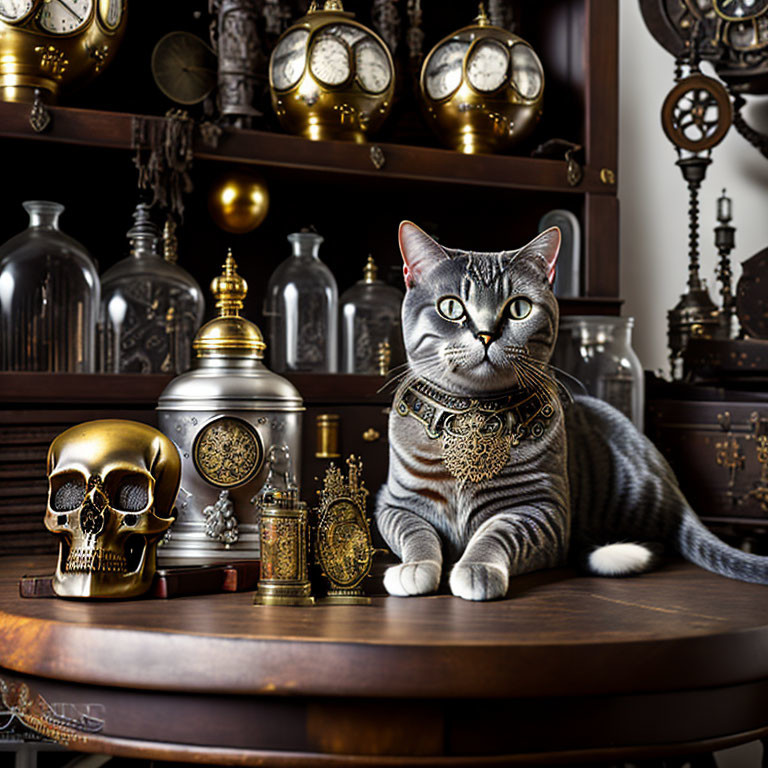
<point>95,561</point>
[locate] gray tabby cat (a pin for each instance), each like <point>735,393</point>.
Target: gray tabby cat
<point>487,469</point>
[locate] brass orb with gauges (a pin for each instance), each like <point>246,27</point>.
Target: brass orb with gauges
<point>48,45</point>
<point>482,88</point>
<point>331,77</point>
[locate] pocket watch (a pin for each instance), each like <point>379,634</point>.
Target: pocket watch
<point>482,88</point>
<point>47,44</point>
<point>330,76</point>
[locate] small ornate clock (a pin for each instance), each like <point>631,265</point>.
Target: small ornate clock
<point>482,88</point>
<point>47,44</point>
<point>331,77</point>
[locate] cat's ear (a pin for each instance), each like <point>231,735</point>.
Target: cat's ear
<point>544,249</point>
<point>420,252</point>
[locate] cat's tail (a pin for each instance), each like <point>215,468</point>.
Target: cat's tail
<point>696,543</point>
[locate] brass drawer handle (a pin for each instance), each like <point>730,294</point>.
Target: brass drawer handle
<point>371,435</point>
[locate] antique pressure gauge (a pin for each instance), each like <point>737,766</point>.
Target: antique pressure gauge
<point>330,76</point>
<point>47,44</point>
<point>224,417</point>
<point>482,88</point>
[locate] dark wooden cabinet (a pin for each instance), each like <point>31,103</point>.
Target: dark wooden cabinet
<point>85,160</point>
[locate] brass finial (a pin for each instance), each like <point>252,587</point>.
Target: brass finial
<point>170,241</point>
<point>482,19</point>
<point>333,5</point>
<point>312,7</point>
<point>229,289</point>
<point>370,270</point>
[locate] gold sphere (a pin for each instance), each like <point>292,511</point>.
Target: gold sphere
<point>238,202</point>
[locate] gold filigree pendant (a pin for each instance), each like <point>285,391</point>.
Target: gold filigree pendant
<point>476,446</point>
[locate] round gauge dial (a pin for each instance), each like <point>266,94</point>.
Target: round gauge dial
<point>372,65</point>
<point>527,72</point>
<point>329,60</point>
<point>60,17</point>
<point>488,65</point>
<point>111,13</point>
<point>14,10</point>
<point>288,59</point>
<point>443,74</point>
<point>738,10</point>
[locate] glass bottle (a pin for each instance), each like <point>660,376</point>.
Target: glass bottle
<point>302,306</point>
<point>371,337</point>
<point>597,350</point>
<point>49,298</point>
<point>151,307</point>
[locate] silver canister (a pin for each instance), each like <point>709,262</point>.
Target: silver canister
<point>224,416</point>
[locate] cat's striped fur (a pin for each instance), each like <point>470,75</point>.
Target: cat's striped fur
<point>590,479</point>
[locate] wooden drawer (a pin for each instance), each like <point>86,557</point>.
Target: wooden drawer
<point>719,451</point>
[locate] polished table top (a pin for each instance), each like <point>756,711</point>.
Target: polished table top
<point>558,636</point>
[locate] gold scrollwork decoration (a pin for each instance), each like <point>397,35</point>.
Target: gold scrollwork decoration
<point>228,452</point>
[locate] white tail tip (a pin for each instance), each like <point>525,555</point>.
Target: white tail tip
<point>620,560</point>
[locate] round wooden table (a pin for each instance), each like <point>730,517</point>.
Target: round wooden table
<point>567,669</point>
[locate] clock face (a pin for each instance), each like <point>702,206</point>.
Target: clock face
<point>372,65</point>
<point>444,69</point>
<point>488,65</point>
<point>329,60</point>
<point>61,17</point>
<point>288,59</point>
<point>14,10</point>
<point>527,72</point>
<point>111,13</point>
<point>738,10</point>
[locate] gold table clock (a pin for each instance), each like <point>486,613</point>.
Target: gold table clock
<point>343,546</point>
<point>482,88</point>
<point>331,77</point>
<point>47,44</point>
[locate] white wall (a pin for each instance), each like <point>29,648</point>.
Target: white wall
<point>653,195</point>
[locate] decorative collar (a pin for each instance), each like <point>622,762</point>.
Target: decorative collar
<point>478,433</point>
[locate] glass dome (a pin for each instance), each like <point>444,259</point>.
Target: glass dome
<point>371,340</point>
<point>151,308</point>
<point>49,298</point>
<point>301,306</point>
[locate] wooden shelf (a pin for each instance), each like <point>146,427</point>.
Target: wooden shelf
<point>114,130</point>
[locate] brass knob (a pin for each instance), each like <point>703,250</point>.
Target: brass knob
<point>371,435</point>
<point>327,436</point>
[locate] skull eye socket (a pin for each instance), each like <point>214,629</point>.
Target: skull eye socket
<point>67,492</point>
<point>128,492</point>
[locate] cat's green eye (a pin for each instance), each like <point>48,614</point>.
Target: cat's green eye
<point>519,308</point>
<point>451,308</point>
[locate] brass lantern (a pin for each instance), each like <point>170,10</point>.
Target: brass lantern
<point>331,77</point>
<point>482,88</point>
<point>47,44</point>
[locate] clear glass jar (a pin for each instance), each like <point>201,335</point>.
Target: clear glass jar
<point>151,308</point>
<point>49,298</point>
<point>597,350</point>
<point>302,306</point>
<point>371,337</point>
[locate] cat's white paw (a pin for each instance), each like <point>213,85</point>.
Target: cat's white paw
<point>419,578</point>
<point>479,581</point>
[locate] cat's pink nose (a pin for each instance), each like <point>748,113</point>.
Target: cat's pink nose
<point>486,338</point>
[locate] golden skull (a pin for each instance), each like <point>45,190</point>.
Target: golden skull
<point>111,489</point>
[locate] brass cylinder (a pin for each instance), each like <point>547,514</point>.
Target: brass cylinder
<point>284,578</point>
<point>327,436</point>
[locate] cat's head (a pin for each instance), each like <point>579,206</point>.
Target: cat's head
<point>478,322</point>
